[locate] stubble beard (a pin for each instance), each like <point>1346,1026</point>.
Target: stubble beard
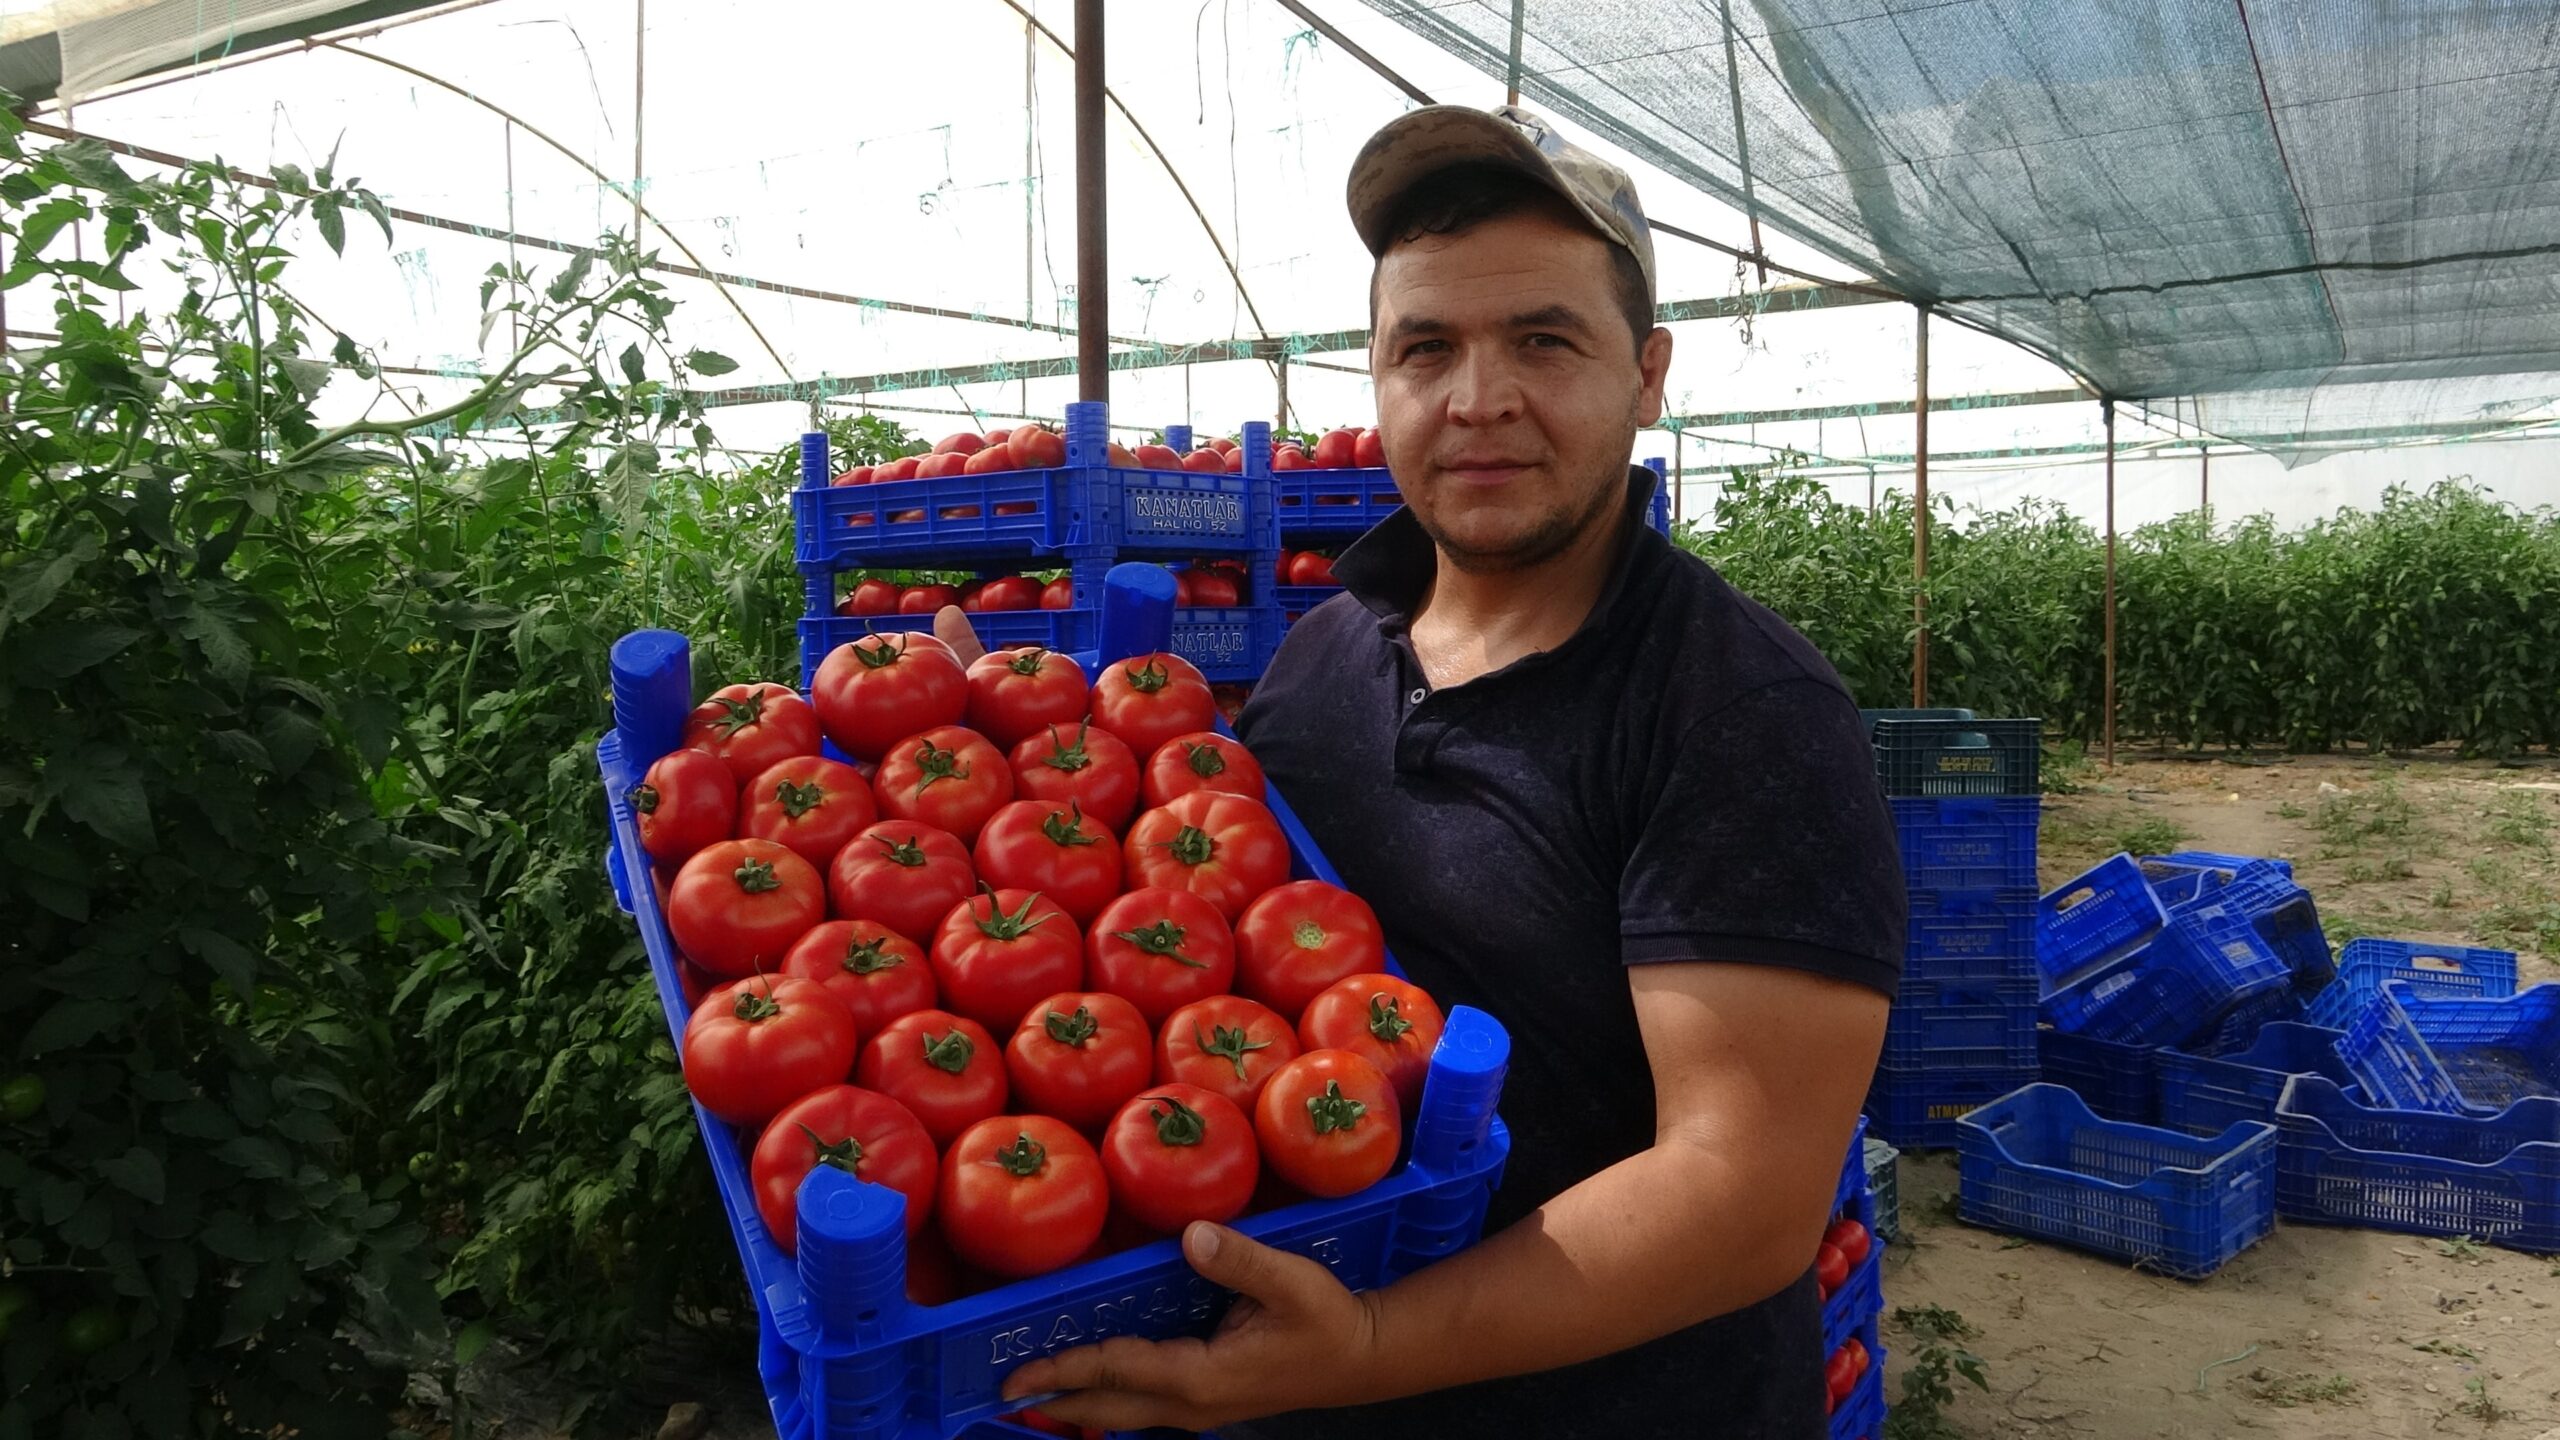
<point>1553,534</point>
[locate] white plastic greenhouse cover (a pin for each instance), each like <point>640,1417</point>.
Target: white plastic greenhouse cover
<point>921,156</point>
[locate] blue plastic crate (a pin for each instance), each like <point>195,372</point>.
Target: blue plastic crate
<point>1860,1297</point>
<point>2494,1178</point>
<point>1943,756</point>
<point>1918,1109</point>
<point>2428,969</point>
<point>1013,514</point>
<point>1853,1174</point>
<point>2496,1051</point>
<point>1334,503</point>
<point>1861,1415</point>
<point>1884,1187</point>
<point>2205,962</point>
<point>1297,600</point>
<point>2394,1064</point>
<point>1230,644</point>
<point>2226,867</point>
<point>2207,1094</point>
<point>2000,1034</point>
<point>2240,1025</point>
<point>2039,1163</point>
<point>843,1353</point>
<point>2115,1081</point>
<point>2285,914</point>
<point>2094,919</point>
<point>1970,935</point>
<point>1971,842</point>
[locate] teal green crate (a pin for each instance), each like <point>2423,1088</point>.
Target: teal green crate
<point>2493,1178</point>
<point>1944,756</point>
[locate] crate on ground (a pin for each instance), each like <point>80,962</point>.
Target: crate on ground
<point>2427,968</point>
<point>2039,1163</point>
<point>1998,1034</point>
<point>2115,1081</point>
<point>1884,1187</point>
<point>2205,962</point>
<point>1918,1109</point>
<point>843,1352</point>
<point>2226,867</point>
<point>2240,1025</point>
<point>2394,1064</point>
<point>2494,1178</point>
<point>1967,842</point>
<point>2286,915</point>
<point>1970,935</point>
<point>2496,1051</point>
<point>2181,884</point>
<point>2207,1094</point>
<point>2095,919</point>
<point>1860,1416</point>
<point>1944,756</point>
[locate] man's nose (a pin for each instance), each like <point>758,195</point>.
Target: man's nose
<point>1485,390</point>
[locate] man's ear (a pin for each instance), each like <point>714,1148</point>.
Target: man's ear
<point>1653,363</point>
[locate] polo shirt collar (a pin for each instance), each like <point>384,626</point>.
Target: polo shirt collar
<point>1390,568</point>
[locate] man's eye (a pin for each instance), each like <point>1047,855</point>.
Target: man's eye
<point>1544,341</point>
<point>1425,347</point>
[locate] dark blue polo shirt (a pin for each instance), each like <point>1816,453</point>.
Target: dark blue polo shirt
<point>1685,778</point>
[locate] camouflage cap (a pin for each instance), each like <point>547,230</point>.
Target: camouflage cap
<point>1416,144</point>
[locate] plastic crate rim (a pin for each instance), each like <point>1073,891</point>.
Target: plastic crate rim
<point>2232,1142</point>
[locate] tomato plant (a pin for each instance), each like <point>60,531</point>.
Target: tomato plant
<point>1391,1023</point>
<point>944,1068</point>
<point>754,1046</point>
<point>862,1132</point>
<point>1078,1056</point>
<point>812,805</point>
<point>1225,1043</point>
<point>737,906</point>
<point>878,973</point>
<point>998,954</point>
<point>1160,950</point>
<point>948,777</point>
<point>1054,849</point>
<point>1202,760</point>
<point>1149,699</point>
<point>1179,1153</point>
<point>1016,694</point>
<point>1299,938</point>
<point>902,874</point>
<point>688,800</point>
<point>1224,848</point>
<point>1095,771</point>
<point>750,727</point>
<point>871,694</point>
<point>1022,1195</point>
<point>1328,1123</point>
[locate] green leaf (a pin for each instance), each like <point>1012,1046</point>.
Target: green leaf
<point>307,376</point>
<point>372,204</point>
<point>31,587</point>
<point>231,960</point>
<point>94,165</point>
<point>567,282</point>
<point>230,1235</point>
<point>291,179</point>
<point>63,651</point>
<point>137,1172</point>
<point>633,369</point>
<point>333,225</point>
<point>225,653</point>
<point>72,1022</point>
<point>95,787</point>
<point>473,615</point>
<point>475,1337</point>
<point>46,221</point>
<point>709,362</point>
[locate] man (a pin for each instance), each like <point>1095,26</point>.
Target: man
<point>1595,792</point>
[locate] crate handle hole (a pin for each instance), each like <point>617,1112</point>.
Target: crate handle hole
<point>2444,963</point>
<point>2069,902</point>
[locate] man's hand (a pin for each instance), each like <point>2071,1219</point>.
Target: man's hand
<point>1295,1339</point>
<point>951,627</point>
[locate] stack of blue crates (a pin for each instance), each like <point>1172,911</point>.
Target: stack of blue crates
<point>1082,517</point>
<point>1965,799</point>
<point>1855,1310</point>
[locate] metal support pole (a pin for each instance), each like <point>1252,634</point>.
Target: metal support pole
<point>2107,408</point>
<point>1511,86</point>
<point>1280,417</point>
<point>639,111</point>
<point>2204,479</point>
<point>1030,161</point>
<point>1920,518</point>
<point>1093,228</point>
<point>1679,471</point>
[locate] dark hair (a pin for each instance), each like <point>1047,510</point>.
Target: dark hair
<point>1462,197</point>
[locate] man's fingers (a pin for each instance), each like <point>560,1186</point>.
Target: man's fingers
<point>1117,1410</point>
<point>1164,1367</point>
<point>1276,1279</point>
<point>951,627</point>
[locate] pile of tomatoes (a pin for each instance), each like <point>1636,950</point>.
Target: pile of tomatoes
<point>1036,447</point>
<point>1845,1245</point>
<point>1224,581</point>
<point>1034,960</point>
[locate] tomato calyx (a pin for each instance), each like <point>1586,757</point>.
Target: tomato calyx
<point>1180,1125</point>
<point>949,1053</point>
<point>1206,761</point>
<point>1385,1021</point>
<point>1027,662</point>
<point>844,1154</point>
<point>907,852</point>
<point>1149,678</point>
<point>870,957</point>
<point>935,763</point>
<point>1334,1110</point>
<point>996,924</point>
<point>737,715</point>
<point>1164,939</point>
<point>1191,845</point>
<point>1307,935</point>
<point>756,876</point>
<point>1066,827</point>
<point>1023,1157</point>
<point>1066,757</point>
<point>799,799</point>
<point>881,653</point>
<point>643,798</point>
<point>1071,1030</point>
<point>754,1006</point>
<point>1230,1043</point>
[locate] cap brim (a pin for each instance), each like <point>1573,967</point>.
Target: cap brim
<point>1425,141</point>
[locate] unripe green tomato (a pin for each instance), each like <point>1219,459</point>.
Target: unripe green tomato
<point>91,1328</point>
<point>21,1097</point>
<point>422,1167</point>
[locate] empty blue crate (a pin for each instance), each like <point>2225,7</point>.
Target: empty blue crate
<point>2285,914</point>
<point>1937,756</point>
<point>1971,935</point>
<point>2094,919</point>
<point>2428,969</point>
<point>2239,1026</point>
<point>2205,962</point>
<point>2496,1051</point>
<point>2039,1163</point>
<point>1918,1109</point>
<point>1973,842</point>
<point>1996,1032</point>
<point>2116,1081</point>
<point>2394,1064</point>
<point>2207,1094</point>
<point>2494,1178</point>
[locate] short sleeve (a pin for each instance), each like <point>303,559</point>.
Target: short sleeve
<point>1765,840</point>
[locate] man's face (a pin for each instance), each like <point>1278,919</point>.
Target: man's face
<point>1509,391</point>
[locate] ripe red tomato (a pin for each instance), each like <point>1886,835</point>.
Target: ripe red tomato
<point>874,692</point>
<point>1179,1153</point>
<point>858,475</point>
<point>1054,849</point>
<point>1157,457</point>
<point>1016,694</point>
<point>1839,1375</point>
<point>873,597</point>
<point>878,973</point>
<point>1095,771</point>
<point>948,776</point>
<point>752,726</point>
<point>1852,1240</point>
<point>1235,461</point>
<point>927,599</point>
<point>810,804</point>
<point>902,468</point>
<point>1301,937</point>
<point>754,1046</point>
<point>1149,699</point>
<point>1037,449</point>
<point>1368,451</point>
<point>904,875</point>
<point>1290,457</point>
<point>1078,1056</point>
<point>1206,461</point>
<point>1310,568</point>
<point>1010,592</point>
<point>997,954</point>
<point>1224,848</point>
<point>736,906</point>
<point>1022,1195</point>
<point>1335,450</point>
<point>1388,1022</point>
<point>861,1132</point>
<point>1058,594</point>
<point>998,455</point>
<point>966,442</point>
<point>1830,1268</point>
<point>1202,760</point>
<point>944,1068</point>
<point>1160,950</point>
<point>686,801</point>
<point>1328,1123</point>
<point>1858,1360</point>
<point>1214,588</point>
<point>1225,1043</point>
